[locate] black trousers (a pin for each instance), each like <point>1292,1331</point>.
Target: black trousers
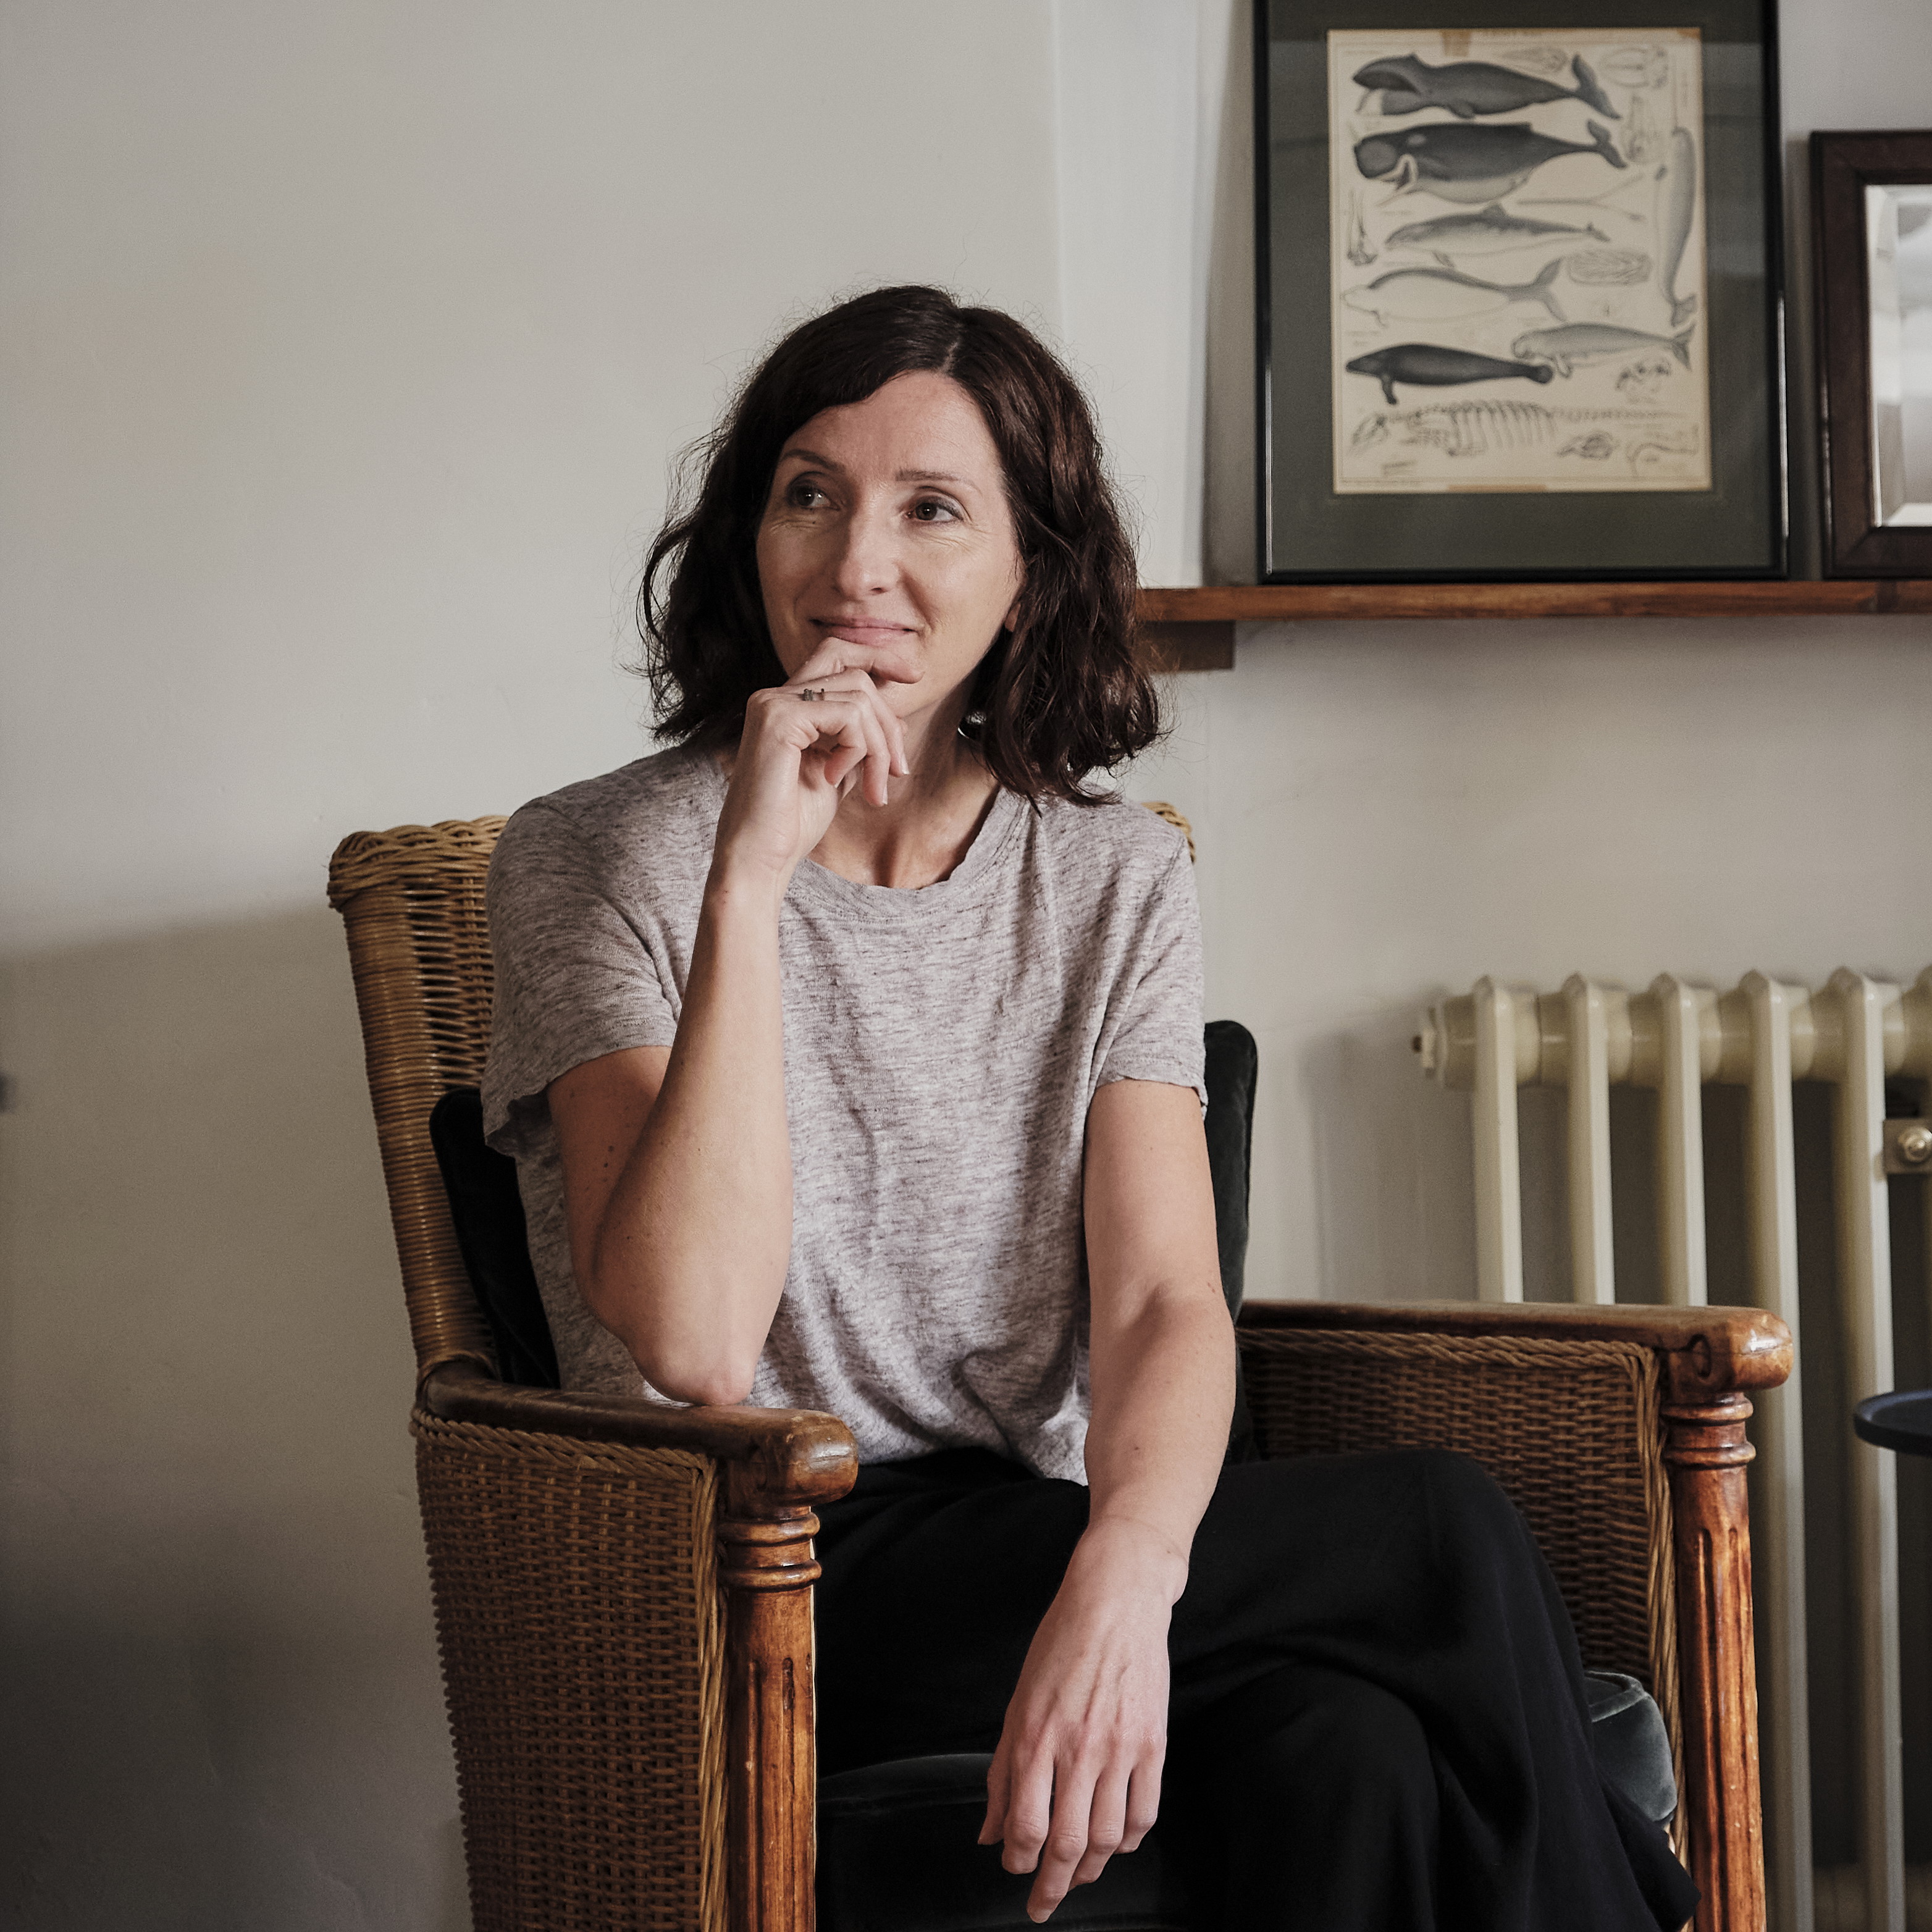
<point>1378,1717</point>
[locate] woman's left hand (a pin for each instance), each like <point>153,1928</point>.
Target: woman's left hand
<point>1077,1775</point>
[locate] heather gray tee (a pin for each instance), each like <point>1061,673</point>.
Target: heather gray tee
<point>942,1047</point>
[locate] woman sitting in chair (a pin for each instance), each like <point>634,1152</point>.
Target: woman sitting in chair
<point>851,1055</point>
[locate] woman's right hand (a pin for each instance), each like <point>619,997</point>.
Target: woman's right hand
<point>799,757</point>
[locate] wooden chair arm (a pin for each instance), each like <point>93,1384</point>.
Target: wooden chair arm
<point>777,1465</point>
<point>773,1459</point>
<point>1707,1353</point>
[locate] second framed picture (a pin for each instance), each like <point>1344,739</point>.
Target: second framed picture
<point>1519,290</point>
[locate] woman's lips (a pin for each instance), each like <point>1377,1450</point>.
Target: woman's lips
<point>861,631</point>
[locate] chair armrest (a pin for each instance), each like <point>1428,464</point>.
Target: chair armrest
<point>1706,1352</point>
<point>773,1459</point>
<point>778,1465</point>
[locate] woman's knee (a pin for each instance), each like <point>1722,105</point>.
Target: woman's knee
<point>1459,1494</point>
<point>1346,1739</point>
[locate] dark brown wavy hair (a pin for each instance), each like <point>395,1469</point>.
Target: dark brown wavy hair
<point>1060,696</point>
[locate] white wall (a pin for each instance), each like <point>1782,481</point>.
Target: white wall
<point>347,348</point>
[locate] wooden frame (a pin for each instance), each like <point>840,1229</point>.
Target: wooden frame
<point>1843,166</point>
<point>1309,532</point>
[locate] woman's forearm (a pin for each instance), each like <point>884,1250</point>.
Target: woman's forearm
<point>690,1255</point>
<point>1161,1349</point>
<point>679,1189</point>
<point>1163,1392</point>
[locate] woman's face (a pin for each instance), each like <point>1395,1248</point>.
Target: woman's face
<point>888,525</point>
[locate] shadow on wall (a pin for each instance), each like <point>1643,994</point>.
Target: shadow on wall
<point>219,1662</point>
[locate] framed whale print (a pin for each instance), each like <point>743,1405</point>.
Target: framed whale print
<point>1519,290</point>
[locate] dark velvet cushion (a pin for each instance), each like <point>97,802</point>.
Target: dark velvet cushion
<point>1632,1747</point>
<point>488,1212</point>
<point>1232,1065</point>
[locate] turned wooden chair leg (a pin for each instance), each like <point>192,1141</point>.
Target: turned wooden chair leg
<point>767,1571</point>
<point>1706,1452</point>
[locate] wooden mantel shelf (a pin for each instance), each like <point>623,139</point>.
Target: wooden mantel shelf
<point>1194,629</point>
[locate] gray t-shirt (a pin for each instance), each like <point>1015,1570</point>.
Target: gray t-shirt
<point>942,1047</point>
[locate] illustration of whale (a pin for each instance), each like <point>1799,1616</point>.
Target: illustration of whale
<point>1680,206</point>
<point>1490,232</point>
<point>1428,365</point>
<point>1460,161</point>
<point>1577,343</point>
<point>1466,88</point>
<point>1444,295</point>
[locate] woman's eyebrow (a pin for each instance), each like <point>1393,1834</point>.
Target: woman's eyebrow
<point>796,454</point>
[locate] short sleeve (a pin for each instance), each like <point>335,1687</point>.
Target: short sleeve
<point>575,978</point>
<point>1155,1033</point>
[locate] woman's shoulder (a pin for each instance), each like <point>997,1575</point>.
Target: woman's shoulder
<point>1120,838</point>
<point>656,812</point>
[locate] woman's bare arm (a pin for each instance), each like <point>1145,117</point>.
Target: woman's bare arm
<point>677,1168</point>
<point>1077,1776</point>
<point>677,1164</point>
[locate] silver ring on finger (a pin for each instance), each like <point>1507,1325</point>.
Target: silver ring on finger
<point>809,696</point>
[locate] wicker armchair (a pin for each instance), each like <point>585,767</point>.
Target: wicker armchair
<point>623,1592</point>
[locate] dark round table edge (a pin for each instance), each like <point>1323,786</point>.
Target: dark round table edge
<point>1901,1420</point>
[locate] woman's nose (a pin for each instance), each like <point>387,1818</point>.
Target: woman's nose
<point>867,559</point>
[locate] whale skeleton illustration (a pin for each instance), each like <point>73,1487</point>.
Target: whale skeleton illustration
<point>1485,426</point>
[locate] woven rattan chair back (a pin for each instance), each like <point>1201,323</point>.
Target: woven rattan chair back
<point>419,947</point>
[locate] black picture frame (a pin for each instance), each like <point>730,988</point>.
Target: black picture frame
<point>1843,166</point>
<point>1309,533</point>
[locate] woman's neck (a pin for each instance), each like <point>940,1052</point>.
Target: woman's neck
<point>928,823</point>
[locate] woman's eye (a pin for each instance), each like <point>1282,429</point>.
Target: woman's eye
<point>935,510</point>
<point>804,495</point>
